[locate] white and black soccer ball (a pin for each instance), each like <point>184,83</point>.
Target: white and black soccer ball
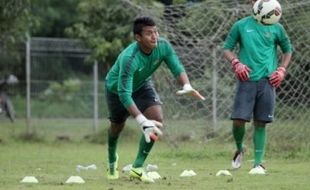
<point>267,11</point>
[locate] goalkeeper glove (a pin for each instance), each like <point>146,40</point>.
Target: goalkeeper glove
<point>241,70</point>
<point>188,89</point>
<point>277,77</point>
<point>149,127</point>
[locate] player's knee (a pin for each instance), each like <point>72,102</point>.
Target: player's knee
<point>116,128</point>
<point>259,124</point>
<point>157,117</point>
<point>239,122</point>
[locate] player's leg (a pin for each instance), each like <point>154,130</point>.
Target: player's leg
<point>153,113</point>
<point>147,100</point>
<point>117,115</point>
<point>137,171</point>
<point>259,141</point>
<point>113,134</point>
<point>238,131</point>
<point>242,112</point>
<point>263,114</point>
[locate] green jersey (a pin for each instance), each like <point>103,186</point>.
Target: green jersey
<point>133,68</point>
<point>258,45</point>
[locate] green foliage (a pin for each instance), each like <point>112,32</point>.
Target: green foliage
<point>66,99</point>
<point>14,21</point>
<point>10,60</point>
<point>62,92</point>
<point>53,16</point>
<point>105,26</point>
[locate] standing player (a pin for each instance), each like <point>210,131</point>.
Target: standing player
<point>258,75</point>
<point>130,92</point>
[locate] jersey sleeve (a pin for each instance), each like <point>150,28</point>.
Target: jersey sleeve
<point>284,41</point>
<point>232,38</point>
<point>125,80</point>
<point>172,61</point>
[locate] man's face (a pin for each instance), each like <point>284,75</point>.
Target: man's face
<point>148,38</point>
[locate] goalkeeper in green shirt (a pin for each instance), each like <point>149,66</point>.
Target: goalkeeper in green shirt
<point>258,74</point>
<point>130,92</point>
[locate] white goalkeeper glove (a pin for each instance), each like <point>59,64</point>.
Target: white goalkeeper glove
<point>149,127</point>
<point>188,89</point>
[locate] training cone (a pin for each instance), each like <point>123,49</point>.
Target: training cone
<point>188,173</point>
<point>29,179</point>
<point>223,173</point>
<point>153,175</point>
<point>151,167</point>
<point>127,168</point>
<point>75,179</point>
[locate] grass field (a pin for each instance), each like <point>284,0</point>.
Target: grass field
<point>53,160</point>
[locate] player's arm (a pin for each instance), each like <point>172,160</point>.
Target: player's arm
<point>229,55</point>
<point>177,69</point>
<point>125,89</point>
<point>285,60</point>
<point>187,87</point>
<point>277,76</point>
<point>241,71</point>
<point>150,128</point>
<point>286,47</point>
<point>233,37</point>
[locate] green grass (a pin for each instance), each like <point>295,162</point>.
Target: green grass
<point>52,161</point>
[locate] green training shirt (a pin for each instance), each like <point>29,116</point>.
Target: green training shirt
<point>258,45</point>
<point>133,68</point>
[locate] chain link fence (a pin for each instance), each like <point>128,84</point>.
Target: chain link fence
<point>197,32</point>
<point>62,85</point>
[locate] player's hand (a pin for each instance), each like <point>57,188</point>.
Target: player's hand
<point>150,128</point>
<point>188,89</point>
<point>277,77</point>
<point>242,71</point>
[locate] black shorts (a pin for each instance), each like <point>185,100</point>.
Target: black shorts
<point>254,98</point>
<point>144,97</point>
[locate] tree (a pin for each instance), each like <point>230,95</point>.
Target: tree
<point>53,17</point>
<point>15,21</point>
<point>105,27</point>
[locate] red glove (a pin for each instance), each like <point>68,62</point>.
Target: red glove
<point>277,77</point>
<point>241,70</point>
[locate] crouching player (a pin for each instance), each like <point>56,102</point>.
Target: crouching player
<point>130,92</point>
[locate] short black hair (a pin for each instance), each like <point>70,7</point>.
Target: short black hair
<point>141,22</point>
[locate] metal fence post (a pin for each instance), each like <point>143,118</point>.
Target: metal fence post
<point>95,70</point>
<point>214,90</point>
<point>28,86</point>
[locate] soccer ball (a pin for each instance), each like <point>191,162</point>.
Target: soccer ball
<point>267,11</point>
